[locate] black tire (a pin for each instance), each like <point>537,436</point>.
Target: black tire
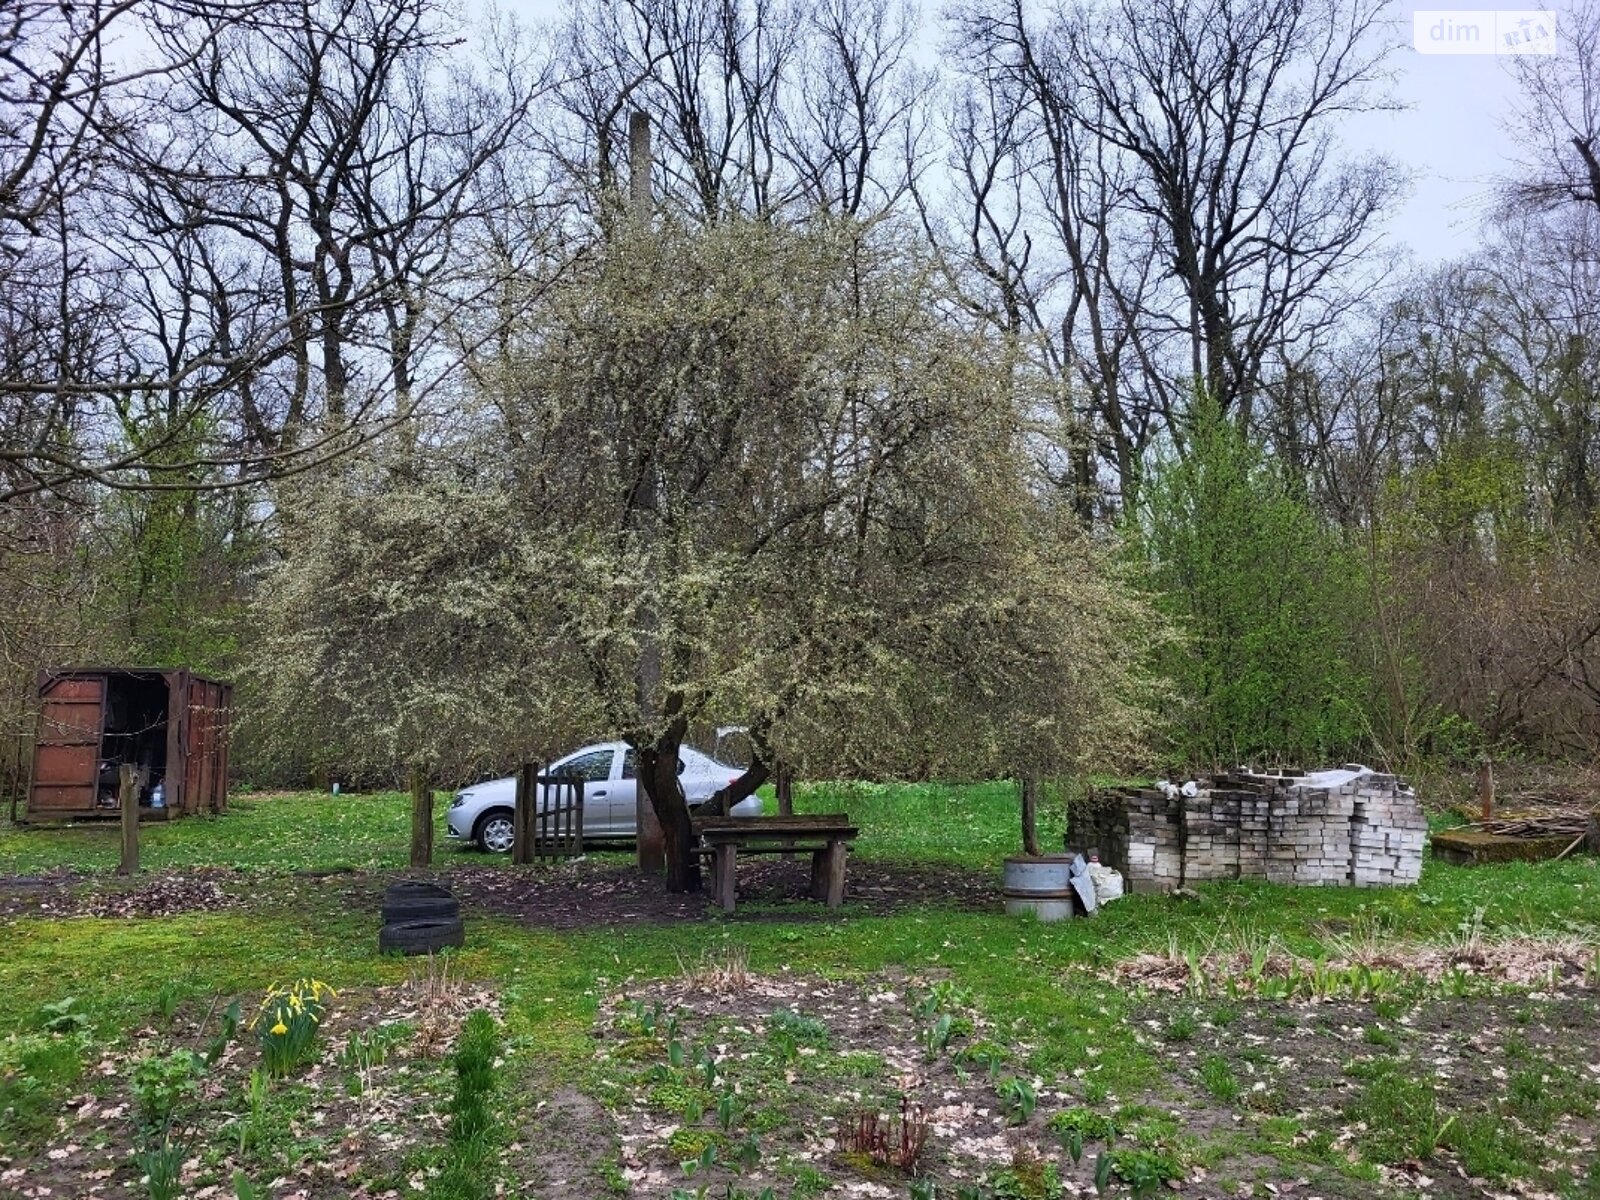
<point>493,832</point>
<point>421,937</point>
<point>415,889</point>
<point>423,908</point>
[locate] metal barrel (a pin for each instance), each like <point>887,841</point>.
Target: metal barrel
<point>1041,886</point>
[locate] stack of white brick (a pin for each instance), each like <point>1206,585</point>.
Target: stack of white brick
<point>1335,829</point>
<point>1386,833</point>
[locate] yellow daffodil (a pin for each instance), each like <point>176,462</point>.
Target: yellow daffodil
<point>280,1029</point>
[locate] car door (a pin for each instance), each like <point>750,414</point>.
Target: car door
<point>596,768</point>
<point>625,798</point>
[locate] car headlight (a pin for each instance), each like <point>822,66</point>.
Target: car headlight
<point>461,798</point>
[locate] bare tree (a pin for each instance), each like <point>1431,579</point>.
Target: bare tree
<point>1558,116</point>
<point>761,108</point>
<point>1185,157</point>
<point>283,239</point>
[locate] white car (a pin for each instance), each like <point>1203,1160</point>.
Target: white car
<point>482,813</point>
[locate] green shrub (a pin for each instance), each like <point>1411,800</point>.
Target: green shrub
<point>62,1016</point>
<point>1267,595</point>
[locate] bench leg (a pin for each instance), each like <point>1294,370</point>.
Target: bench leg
<point>833,873</point>
<point>722,876</point>
<point>819,875</point>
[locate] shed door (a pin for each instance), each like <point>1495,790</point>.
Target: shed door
<point>200,735</point>
<point>66,755</point>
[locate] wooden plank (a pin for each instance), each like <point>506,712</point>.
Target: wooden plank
<point>817,821</point>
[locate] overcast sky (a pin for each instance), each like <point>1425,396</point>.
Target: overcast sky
<point>1451,137</point>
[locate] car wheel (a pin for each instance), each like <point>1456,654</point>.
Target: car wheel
<point>495,831</point>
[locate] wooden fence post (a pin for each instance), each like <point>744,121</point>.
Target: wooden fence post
<point>575,820</point>
<point>549,799</point>
<point>1030,815</point>
<point>1485,788</point>
<point>128,799</point>
<point>783,785</point>
<point>526,804</point>
<point>421,819</point>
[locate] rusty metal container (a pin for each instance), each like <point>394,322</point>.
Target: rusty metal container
<point>169,722</point>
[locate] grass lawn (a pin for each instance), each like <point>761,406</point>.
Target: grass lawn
<point>1441,1040</point>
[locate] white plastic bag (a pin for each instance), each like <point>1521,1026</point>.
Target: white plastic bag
<point>1107,884</point>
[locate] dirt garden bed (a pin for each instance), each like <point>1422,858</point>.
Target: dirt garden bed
<point>1481,1096</point>
<point>573,895</point>
<point>858,1089</point>
<point>356,1123</point>
<point>588,894</point>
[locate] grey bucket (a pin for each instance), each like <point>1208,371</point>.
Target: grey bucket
<point>1041,886</point>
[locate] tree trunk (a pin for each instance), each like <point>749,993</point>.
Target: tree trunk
<point>650,840</point>
<point>1030,815</point>
<point>658,776</point>
<point>128,799</point>
<point>421,819</point>
<point>724,798</point>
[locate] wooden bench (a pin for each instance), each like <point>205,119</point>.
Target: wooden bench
<point>827,837</point>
